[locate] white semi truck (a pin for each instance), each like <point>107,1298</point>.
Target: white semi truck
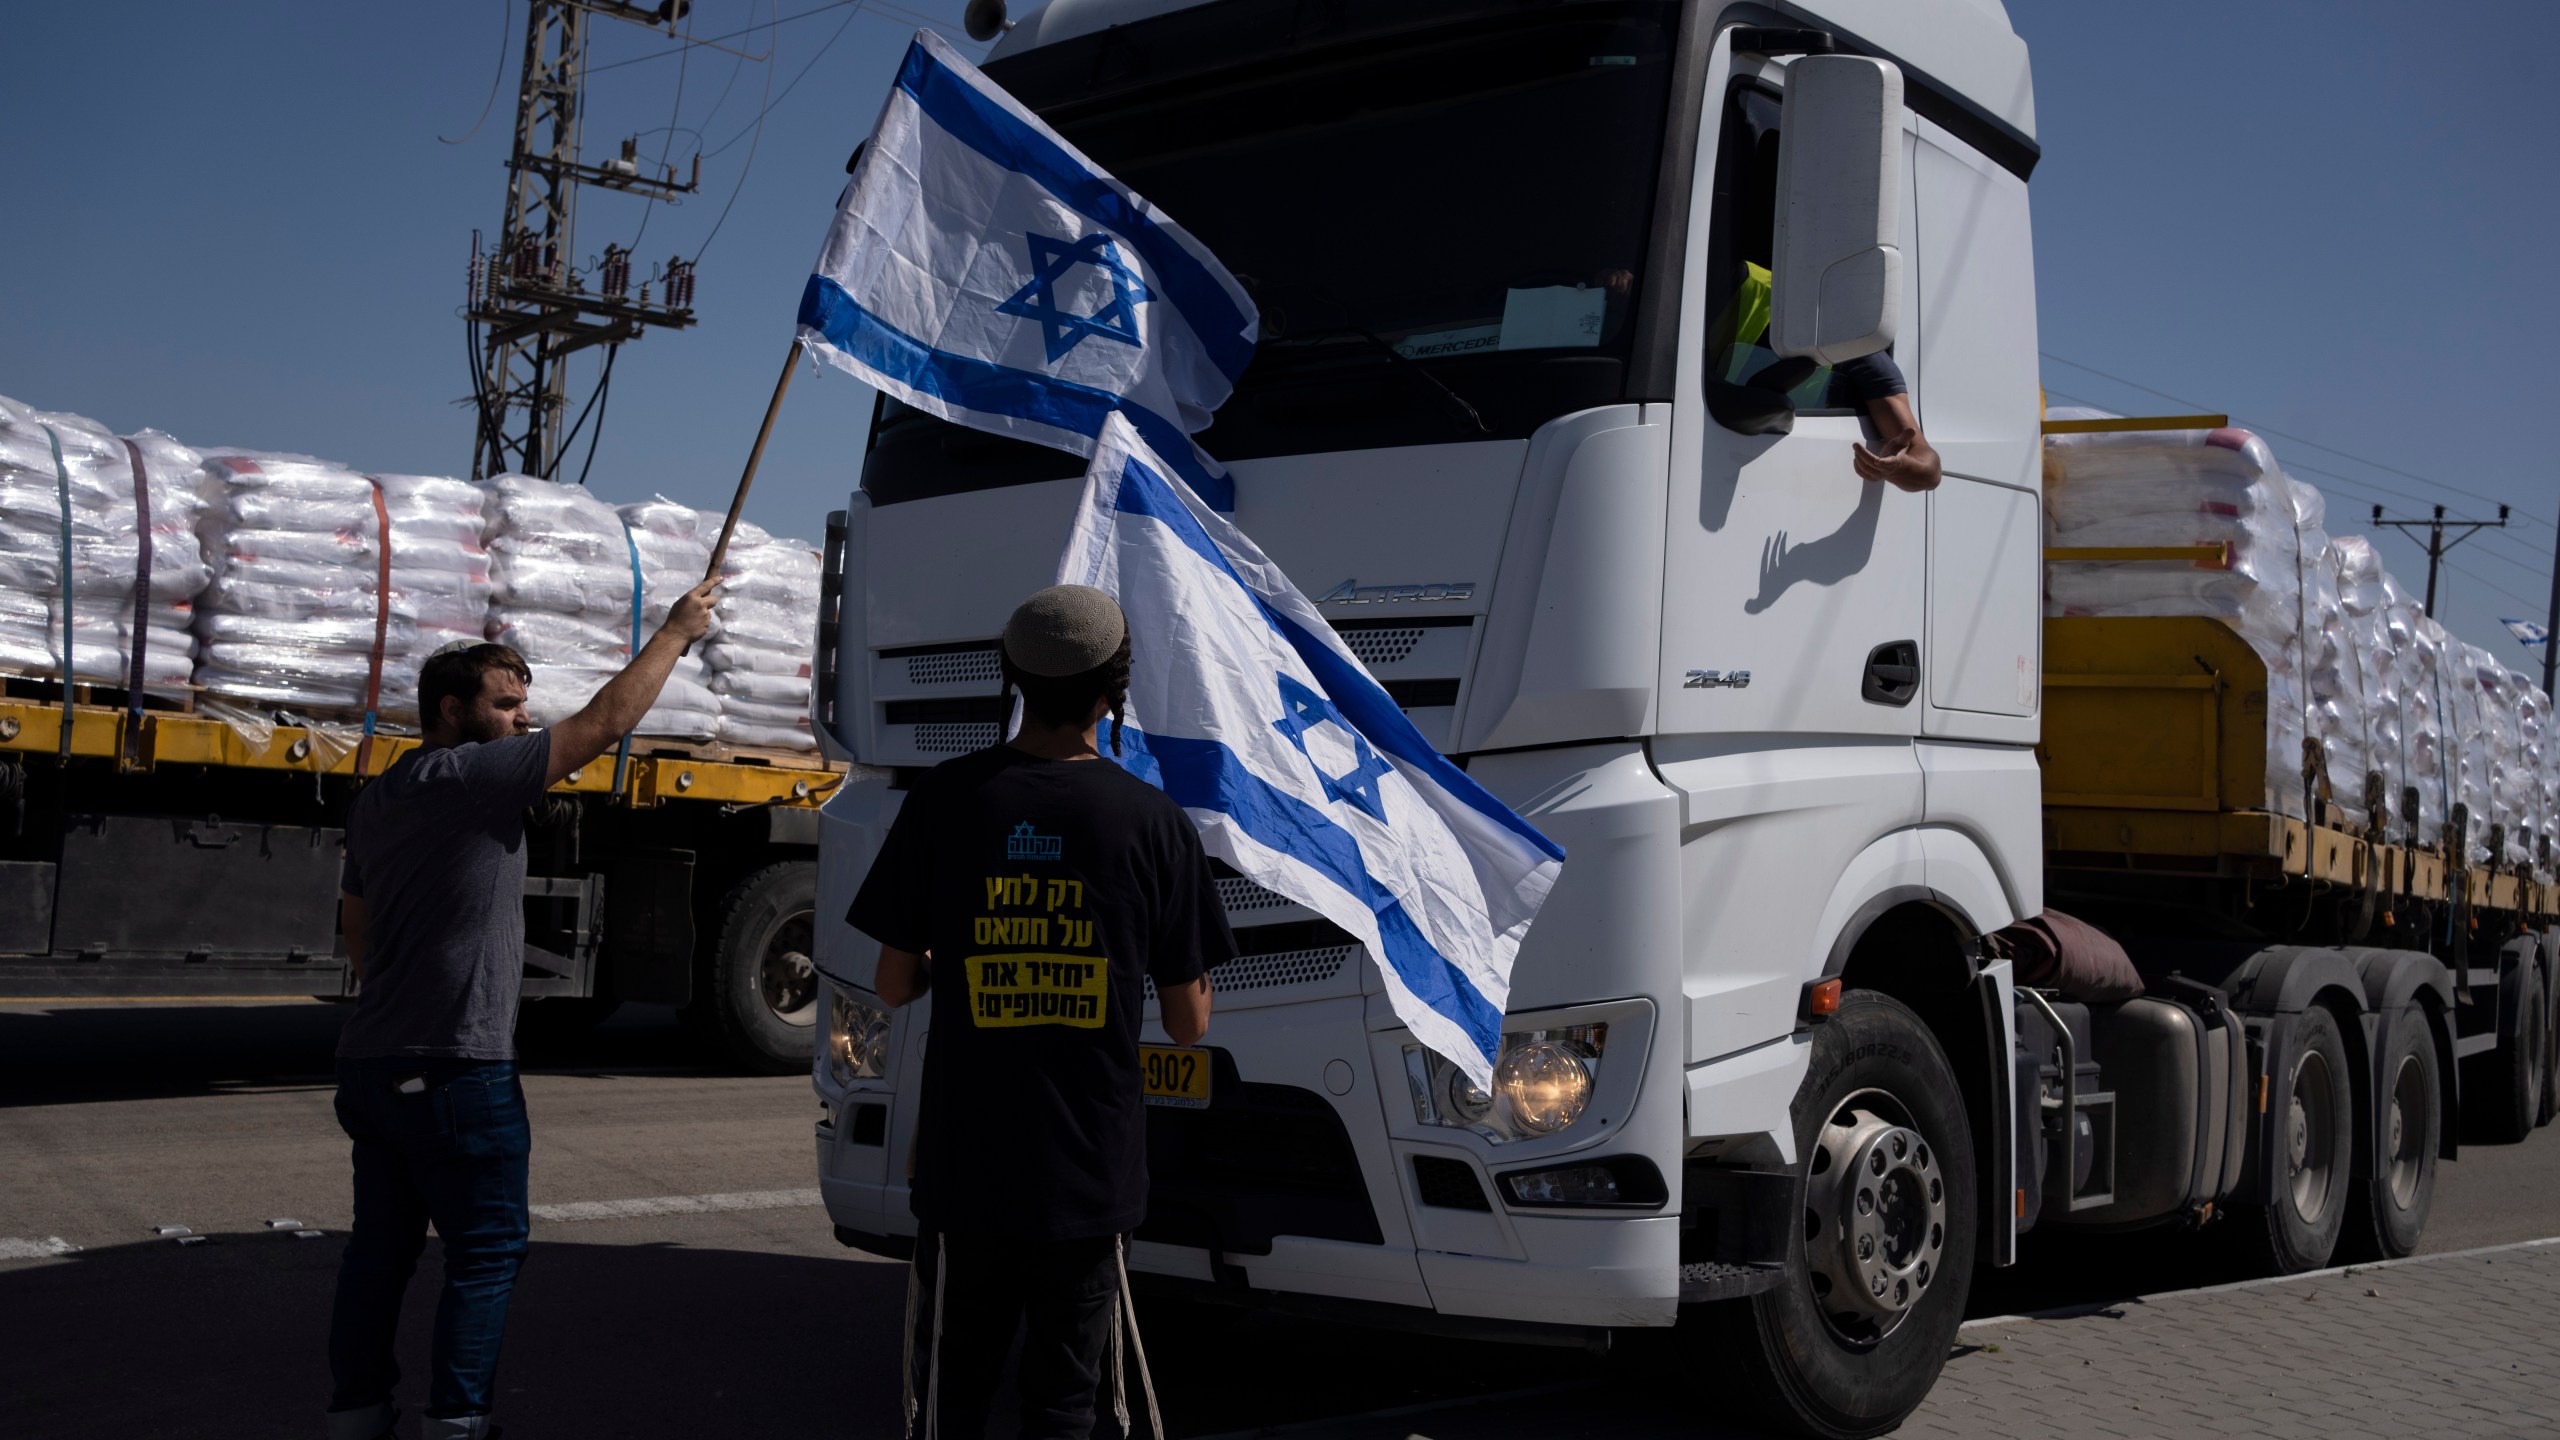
<point>1505,424</point>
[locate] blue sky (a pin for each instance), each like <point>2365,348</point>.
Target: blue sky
<point>238,223</point>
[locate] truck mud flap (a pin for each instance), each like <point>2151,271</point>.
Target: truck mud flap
<point>1734,1226</point>
<point>26,907</point>
<point>648,927</point>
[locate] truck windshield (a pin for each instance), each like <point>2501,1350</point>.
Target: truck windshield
<point>1444,225</point>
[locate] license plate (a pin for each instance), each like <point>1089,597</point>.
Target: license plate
<point>1171,1075</point>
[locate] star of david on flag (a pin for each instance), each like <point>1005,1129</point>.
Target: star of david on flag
<point>1061,329</point>
<point>2528,633</point>
<point>981,269</point>
<point>1248,710</point>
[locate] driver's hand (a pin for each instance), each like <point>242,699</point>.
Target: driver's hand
<point>1904,461</point>
<point>689,619</point>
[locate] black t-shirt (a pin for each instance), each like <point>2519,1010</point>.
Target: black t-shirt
<point>1043,890</point>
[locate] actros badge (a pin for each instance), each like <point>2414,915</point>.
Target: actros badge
<point>1717,680</point>
<point>1352,592</point>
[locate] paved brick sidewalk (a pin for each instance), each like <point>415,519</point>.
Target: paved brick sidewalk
<point>2445,1346</point>
<point>2455,1345</point>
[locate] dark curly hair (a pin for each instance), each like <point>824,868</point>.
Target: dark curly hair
<point>1063,701</point>
<point>459,672</point>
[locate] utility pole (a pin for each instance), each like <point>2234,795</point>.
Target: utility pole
<point>2552,622</point>
<point>530,305</point>
<point>2437,545</point>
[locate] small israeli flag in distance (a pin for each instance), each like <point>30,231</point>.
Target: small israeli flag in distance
<point>2530,634</point>
<point>982,269</point>
<point>1248,710</point>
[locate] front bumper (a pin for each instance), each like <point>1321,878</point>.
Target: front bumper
<point>1280,1213</point>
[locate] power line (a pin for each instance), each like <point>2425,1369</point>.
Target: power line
<point>762,110</point>
<point>649,200</point>
<point>775,101</point>
<point>693,40</point>
<point>2297,439</point>
<point>506,32</point>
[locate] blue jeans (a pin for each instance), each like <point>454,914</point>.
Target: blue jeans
<point>451,1150</point>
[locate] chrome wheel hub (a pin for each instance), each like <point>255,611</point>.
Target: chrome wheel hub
<point>786,977</point>
<point>1875,1217</point>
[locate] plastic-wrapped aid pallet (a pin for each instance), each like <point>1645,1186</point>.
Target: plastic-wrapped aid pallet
<point>2198,487</point>
<point>135,565</point>
<point>765,626</point>
<point>312,604</point>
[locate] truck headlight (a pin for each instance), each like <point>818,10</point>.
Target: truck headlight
<point>857,1038</point>
<point>1541,1084</point>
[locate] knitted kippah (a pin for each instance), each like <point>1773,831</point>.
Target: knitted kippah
<point>1064,630</point>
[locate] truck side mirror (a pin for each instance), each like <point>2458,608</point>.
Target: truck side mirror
<point>1837,282</point>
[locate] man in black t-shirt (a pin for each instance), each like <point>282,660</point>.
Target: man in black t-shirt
<point>1031,886</point>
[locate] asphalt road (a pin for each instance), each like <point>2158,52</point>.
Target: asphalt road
<point>648,1310</point>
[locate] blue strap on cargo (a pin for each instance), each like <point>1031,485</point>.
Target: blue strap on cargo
<point>622,753</point>
<point>136,670</point>
<point>62,497</point>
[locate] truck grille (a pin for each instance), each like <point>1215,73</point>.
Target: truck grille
<point>1262,1160</point>
<point>1382,646</point>
<point>1274,970</point>
<point>959,665</point>
<point>1242,896</point>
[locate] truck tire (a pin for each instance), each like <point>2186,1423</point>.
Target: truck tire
<point>1878,1273</point>
<point>2503,1088</point>
<point>2388,1216</point>
<point>2312,1156</point>
<point>764,995</point>
<point>2551,1046</point>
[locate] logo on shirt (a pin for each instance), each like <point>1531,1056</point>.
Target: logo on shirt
<point>1027,844</point>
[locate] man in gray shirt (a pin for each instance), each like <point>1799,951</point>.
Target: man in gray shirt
<point>434,921</point>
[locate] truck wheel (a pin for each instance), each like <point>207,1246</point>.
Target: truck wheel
<point>2504,1087</point>
<point>1879,1269</point>
<point>2314,1152</point>
<point>2550,1108</point>
<point>2389,1213</point>
<point>764,991</point>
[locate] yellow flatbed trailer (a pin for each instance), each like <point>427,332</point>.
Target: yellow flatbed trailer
<point>2156,761</point>
<point>2160,821</point>
<point>166,852</point>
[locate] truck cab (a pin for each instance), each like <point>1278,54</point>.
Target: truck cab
<point>1512,425</point>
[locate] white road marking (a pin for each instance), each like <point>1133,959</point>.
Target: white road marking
<point>12,1248</point>
<point>677,1205</point>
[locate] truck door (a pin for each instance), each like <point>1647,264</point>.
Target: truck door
<point>1794,619</point>
<point>1794,591</point>
<point>1977,402</point>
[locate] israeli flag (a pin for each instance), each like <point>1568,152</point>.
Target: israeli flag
<point>982,269</point>
<point>1249,711</point>
<point>2528,633</point>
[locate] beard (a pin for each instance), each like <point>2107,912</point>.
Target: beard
<point>480,726</point>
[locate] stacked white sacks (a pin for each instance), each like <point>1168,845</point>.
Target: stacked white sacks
<point>762,638</point>
<point>2202,487</point>
<point>561,566</point>
<point>2419,676</point>
<point>672,555</point>
<point>2533,718</point>
<point>113,597</point>
<point>298,613</point>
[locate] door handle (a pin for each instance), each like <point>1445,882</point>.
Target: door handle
<point>1892,675</point>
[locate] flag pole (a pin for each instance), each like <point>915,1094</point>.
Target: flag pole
<point>755,456</point>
